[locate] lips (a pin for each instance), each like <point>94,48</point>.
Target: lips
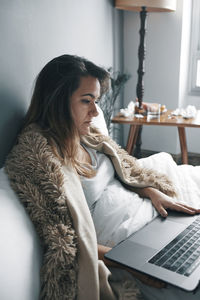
<point>88,122</point>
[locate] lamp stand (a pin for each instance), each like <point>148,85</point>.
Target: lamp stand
<point>140,71</point>
<point>141,56</point>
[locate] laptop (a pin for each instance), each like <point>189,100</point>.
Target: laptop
<point>167,249</point>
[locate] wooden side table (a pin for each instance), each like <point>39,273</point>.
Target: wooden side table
<point>165,119</point>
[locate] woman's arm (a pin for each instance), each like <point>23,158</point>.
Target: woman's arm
<point>163,202</point>
<point>148,280</point>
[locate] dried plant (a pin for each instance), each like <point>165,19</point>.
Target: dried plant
<point>107,102</point>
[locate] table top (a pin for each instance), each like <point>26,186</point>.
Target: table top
<point>165,119</point>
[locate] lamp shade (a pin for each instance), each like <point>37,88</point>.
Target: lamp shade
<point>151,5</point>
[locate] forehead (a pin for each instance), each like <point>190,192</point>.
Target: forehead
<point>89,84</point>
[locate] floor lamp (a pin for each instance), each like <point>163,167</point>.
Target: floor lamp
<point>143,6</point>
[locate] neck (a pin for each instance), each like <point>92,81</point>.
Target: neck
<point>83,156</point>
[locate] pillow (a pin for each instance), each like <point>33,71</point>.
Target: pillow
<point>99,122</point>
<point>20,251</point>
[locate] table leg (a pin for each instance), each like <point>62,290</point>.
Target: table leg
<point>132,137</point>
<point>137,152</point>
<point>183,144</point>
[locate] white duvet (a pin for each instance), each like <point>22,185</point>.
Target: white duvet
<point>115,219</point>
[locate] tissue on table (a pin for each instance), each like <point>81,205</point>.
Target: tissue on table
<point>128,111</point>
<point>187,113</point>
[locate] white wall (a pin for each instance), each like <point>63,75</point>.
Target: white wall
<point>35,31</point>
<point>164,82</point>
<point>185,96</point>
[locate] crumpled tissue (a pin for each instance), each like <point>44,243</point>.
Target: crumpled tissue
<point>128,111</point>
<point>187,113</point>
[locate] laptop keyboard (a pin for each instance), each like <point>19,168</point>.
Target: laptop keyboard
<point>182,254</point>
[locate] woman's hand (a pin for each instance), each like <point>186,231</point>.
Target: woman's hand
<point>163,202</point>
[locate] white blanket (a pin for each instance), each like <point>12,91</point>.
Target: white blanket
<point>185,177</point>
<point>116,221</point>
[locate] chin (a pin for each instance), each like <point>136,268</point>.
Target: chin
<point>85,131</point>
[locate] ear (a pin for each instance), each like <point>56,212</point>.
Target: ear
<point>99,122</point>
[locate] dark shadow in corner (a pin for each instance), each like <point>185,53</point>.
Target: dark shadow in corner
<point>11,117</point>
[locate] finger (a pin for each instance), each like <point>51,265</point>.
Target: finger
<point>161,210</point>
<point>182,208</point>
<point>197,210</point>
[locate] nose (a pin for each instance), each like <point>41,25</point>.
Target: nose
<point>94,110</point>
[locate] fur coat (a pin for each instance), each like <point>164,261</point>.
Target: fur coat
<point>37,177</point>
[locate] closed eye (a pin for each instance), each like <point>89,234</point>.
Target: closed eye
<point>86,101</point>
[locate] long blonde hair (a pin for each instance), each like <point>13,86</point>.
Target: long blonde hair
<point>50,106</point>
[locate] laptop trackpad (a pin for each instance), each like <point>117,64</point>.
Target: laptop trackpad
<point>158,233</point>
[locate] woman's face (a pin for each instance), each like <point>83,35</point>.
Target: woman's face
<point>83,103</point>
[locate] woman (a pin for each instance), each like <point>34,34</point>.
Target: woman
<point>54,169</point>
